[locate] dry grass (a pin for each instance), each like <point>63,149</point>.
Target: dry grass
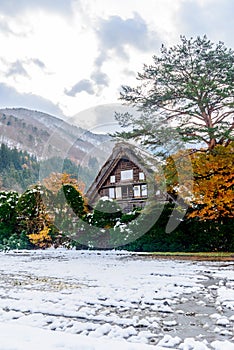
<point>210,256</point>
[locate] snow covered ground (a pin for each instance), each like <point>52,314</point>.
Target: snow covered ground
<point>59,299</point>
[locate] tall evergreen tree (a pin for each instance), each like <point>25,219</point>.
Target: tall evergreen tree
<point>186,94</point>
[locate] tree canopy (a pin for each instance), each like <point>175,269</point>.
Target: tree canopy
<point>187,94</point>
<point>210,191</point>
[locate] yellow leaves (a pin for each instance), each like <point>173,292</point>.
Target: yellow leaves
<point>56,180</point>
<point>108,226</point>
<point>212,181</point>
<point>179,175</point>
<point>41,239</point>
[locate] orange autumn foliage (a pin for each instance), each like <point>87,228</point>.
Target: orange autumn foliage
<point>56,180</point>
<point>210,189</point>
<point>41,239</point>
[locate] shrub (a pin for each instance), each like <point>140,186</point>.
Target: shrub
<point>106,214</point>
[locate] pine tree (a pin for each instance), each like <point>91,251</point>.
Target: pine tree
<point>186,94</point>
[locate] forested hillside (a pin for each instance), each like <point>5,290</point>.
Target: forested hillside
<point>47,136</point>
<point>19,169</point>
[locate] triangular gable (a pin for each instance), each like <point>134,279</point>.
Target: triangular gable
<point>142,159</point>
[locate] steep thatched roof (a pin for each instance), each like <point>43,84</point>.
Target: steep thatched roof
<point>145,161</point>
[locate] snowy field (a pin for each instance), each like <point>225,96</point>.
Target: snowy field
<point>69,300</point>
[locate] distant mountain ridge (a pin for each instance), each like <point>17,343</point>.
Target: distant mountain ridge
<point>46,136</point>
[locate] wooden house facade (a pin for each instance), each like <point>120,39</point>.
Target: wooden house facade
<point>127,177</point>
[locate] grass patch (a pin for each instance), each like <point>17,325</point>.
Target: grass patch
<point>214,254</point>
<point>225,256</point>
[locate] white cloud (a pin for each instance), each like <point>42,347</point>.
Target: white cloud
<point>9,97</point>
<point>77,54</point>
<point>82,85</point>
<point>20,6</point>
<point>211,17</point>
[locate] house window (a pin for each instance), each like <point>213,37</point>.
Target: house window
<point>144,190</point>
<point>118,192</point>
<point>112,179</point>
<point>127,175</point>
<point>127,192</point>
<point>137,191</point>
<point>112,192</point>
<point>140,191</point>
<point>141,176</point>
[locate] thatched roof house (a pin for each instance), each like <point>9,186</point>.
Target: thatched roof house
<point>127,177</point>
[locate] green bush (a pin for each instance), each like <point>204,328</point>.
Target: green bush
<point>74,199</point>
<point>192,235</point>
<point>8,203</point>
<point>16,241</point>
<point>209,235</point>
<point>106,214</point>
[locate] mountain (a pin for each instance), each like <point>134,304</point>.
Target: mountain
<point>101,118</point>
<point>46,136</point>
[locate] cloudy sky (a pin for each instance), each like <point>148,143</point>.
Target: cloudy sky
<point>66,56</point>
